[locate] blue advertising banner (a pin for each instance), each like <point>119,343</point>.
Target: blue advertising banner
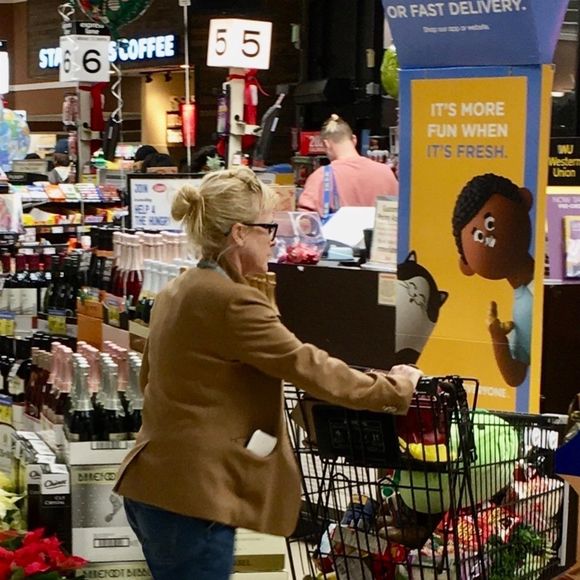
<point>474,32</point>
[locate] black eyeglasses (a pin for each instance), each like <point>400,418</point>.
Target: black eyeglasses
<point>272,228</point>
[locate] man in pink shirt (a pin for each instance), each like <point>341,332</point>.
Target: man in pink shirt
<point>352,180</point>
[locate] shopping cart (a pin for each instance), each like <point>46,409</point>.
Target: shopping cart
<point>444,492</point>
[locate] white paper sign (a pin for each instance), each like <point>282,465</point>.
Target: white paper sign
<point>236,43</point>
<point>151,200</point>
<point>384,247</point>
<point>84,58</point>
<point>4,71</point>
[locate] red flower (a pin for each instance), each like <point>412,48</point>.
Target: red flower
<point>36,568</point>
<point>5,570</point>
<point>36,555</point>
<point>33,537</point>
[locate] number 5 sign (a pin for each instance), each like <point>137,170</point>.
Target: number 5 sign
<point>84,58</point>
<point>235,43</point>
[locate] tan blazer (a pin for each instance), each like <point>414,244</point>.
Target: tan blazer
<point>212,374</point>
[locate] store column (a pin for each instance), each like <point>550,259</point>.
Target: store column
<point>475,101</point>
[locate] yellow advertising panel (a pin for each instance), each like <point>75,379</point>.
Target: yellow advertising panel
<point>472,203</point>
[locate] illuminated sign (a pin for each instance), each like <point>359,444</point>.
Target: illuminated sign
<point>125,50</point>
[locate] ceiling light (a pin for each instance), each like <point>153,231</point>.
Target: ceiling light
<point>558,93</point>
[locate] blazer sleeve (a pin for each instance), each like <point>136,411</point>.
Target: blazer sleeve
<point>144,373</point>
<point>256,337</point>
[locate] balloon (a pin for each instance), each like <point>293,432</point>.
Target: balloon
<point>14,137</point>
<point>390,72</point>
<point>114,13</point>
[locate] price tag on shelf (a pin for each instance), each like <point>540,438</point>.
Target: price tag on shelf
<point>237,43</point>
<point>84,58</point>
<point>7,323</point>
<point>57,322</point>
<point>114,316</point>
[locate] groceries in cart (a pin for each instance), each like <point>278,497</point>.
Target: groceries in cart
<point>445,492</point>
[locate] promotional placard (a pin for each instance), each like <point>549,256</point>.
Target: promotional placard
<point>150,199</point>
<point>563,242</point>
<point>472,216</point>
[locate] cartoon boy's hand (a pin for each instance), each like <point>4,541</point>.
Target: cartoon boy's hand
<point>498,329</point>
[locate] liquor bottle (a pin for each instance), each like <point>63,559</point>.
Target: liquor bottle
<point>107,274</point>
<point>80,422</point>
<point>134,280</point>
<point>22,302</point>
<point>53,288</point>
<point>135,397</point>
<point>19,373</point>
<point>6,293</point>
<point>145,291</point>
<point>73,286</point>
<point>62,385</point>
<point>114,425</point>
<point>6,360</point>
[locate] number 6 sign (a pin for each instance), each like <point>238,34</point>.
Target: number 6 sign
<point>84,58</point>
<point>235,43</point>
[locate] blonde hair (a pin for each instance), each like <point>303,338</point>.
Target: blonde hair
<point>336,129</point>
<point>222,199</point>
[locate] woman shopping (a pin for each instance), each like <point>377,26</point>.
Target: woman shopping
<point>211,377</point>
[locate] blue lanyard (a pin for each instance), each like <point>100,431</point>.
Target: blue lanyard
<point>212,265</point>
<point>329,189</point>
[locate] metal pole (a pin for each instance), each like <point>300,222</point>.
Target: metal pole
<point>185,4</point>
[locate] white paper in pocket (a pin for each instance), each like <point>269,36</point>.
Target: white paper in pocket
<point>261,444</point>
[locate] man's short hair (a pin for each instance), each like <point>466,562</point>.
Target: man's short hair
<point>336,129</point>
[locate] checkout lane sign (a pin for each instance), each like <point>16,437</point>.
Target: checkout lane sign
<point>126,50</point>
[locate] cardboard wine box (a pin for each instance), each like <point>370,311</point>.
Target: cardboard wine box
<point>257,552</point>
<point>100,531</point>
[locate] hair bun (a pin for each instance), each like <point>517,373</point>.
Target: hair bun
<point>334,117</point>
<point>187,203</point>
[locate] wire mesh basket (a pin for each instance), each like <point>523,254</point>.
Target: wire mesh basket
<point>443,492</point>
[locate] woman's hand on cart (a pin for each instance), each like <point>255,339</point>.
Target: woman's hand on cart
<point>409,372</point>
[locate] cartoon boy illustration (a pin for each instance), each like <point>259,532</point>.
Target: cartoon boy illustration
<point>492,230</point>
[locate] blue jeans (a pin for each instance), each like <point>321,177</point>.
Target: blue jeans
<point>179,547</point>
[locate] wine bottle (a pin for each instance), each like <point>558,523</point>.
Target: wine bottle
<point>80,423</point>
<point>6,293</point>
<point>19,373</point>
<point>6,360</point>
<point>54,283</point>
<point>24,300</point>
<point>135,397</point>
<point>114,427</point>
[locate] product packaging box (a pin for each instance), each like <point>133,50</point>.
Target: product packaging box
<point>119,570</point>
<point>45,485</point>
<point>258,552</point>
<point>100,531</point>
<point>96,452</point>
<point>90,330</point>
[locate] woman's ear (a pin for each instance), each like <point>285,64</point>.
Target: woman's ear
<point>238,234</point>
